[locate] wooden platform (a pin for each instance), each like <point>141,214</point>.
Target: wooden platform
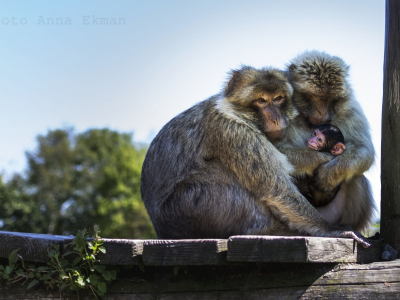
<point>235,250</point>
<point>242,267</point>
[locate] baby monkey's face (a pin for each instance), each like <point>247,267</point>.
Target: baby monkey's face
<point>317,140</point>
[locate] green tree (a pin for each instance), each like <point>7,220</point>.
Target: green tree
<point>77,180</point>
<point>18,210</point>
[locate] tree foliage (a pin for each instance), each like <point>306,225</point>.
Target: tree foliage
<point>76,180</point>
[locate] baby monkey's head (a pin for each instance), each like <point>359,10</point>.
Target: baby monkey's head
<point>327,138</point>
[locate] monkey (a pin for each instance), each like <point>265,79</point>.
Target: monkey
<point>211,172</point>
<point>326,138</point>
<point>322,94</point>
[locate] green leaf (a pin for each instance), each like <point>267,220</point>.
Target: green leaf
<point>1,267</point>
<point>20,272</point>
<point>46,277</point>
<point>68,252</point>
<point>113,274</point>
<point>76,260</point>
<point>80,239</point>
<point>41,269</point>
<point>9,269</point>
<point>102,249</point>
<point>32,283</point>
<point>63,286</point>
<point>13,258</point>
<point>5,276</point>
<point>31,275</point>
<point>31,267</point>
<point>93,279</point>
<point>107,275</point>
<point>102,288</point>
<point>90,245</point>
<point>100,268</point>
<point>52,252</point>
<point>81,281</point>
<point>176,270</point>
<point>64,263</point>
<point>38,275</point>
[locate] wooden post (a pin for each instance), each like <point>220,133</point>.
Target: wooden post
<point>390,161</point>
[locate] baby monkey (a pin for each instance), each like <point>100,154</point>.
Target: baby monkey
<point>325,138</point>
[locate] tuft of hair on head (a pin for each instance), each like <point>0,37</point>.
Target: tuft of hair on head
<point>319,72</point>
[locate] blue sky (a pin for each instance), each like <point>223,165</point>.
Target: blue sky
<point>162,57</point>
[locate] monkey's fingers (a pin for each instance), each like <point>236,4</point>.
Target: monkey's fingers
<point>358,237</point>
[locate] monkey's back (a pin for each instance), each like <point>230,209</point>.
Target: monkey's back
<point>178,150</point>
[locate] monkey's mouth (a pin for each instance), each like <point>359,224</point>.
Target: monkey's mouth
<point>312,146</point>
<point>274,134</point>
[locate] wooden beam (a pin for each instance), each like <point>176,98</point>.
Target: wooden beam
<point>390,160</point>
<point>122,252</point>
<point>250,281</point>
<point>32,247</point>
<point>300,249</point>
<point>184,252</point>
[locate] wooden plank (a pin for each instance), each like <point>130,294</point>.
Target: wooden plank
<point>390,162</point>
<point>32,247</point>
<point>184,252</point>
<point>295,249</point>
<point>251,281</point>
<point>122,252</point>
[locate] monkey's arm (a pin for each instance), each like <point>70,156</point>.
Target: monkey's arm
<point>264,171</point>
<point>304,160</point>
<point>357,159</point>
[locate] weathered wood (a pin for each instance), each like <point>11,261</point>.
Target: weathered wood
<point>390,162</point>
<point>122,252</point>
<point>32,247</point>
<point>300,249</point>
<point>184,252</point>
<point>252,281</point>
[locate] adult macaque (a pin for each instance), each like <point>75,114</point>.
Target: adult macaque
<point>325,138</point>
<point>322,94</point>
<point>212,173</point>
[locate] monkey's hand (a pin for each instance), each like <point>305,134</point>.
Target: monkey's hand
<point>305,160</point>
<point>327,177</point>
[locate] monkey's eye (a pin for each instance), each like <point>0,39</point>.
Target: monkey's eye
<point>319,140</point>
<point>314,133</point>
<point>278,99</point>
<point>261,100</point>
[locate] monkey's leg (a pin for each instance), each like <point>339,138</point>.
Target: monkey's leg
<point>359,206</point>
<point>211,203</point>
<point>353,205</point>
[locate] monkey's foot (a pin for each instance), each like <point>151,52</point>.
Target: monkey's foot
<point>358,237</point>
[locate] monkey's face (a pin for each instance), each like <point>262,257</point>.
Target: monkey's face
<point>269,107</point>
<point>319,110</point>
<point>317,140</point>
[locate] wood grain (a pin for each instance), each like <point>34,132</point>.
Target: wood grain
<point>184,252</point>
<point>122,252</point>
<point>296,249</point>
<point>390,162</point>
<point>252,281</point>
<point>32,247</point>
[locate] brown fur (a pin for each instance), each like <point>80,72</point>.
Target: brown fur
<point>320,80</point>
<point>212,173</point>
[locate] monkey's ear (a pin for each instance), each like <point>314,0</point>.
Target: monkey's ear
<point>292,68</point>
<point>338,149</point>
<point>233,83</point>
